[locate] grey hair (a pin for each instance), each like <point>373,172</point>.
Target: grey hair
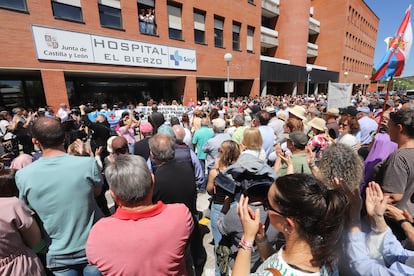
<point>204,122</point>
<point>341,161</point>
<point>238,120</point>
<point>129,179</point>
<point>179,134</point>
<point>162,147</point>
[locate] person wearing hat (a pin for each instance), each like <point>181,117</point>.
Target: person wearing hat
<point>297,112</point>
<point>331,117</point>
<point>141,147</point>
<point>296,142</point>
<point>367,126</point>
<point>319,141</point>
<point>283,110</point>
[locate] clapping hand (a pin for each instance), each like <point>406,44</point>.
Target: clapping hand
<point>250,219</point>
<point>376,204</point>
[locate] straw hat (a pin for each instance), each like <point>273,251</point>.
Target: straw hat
<point>281,116</point>
<point>298,111</point>
<point>318,123</point>
<point>333,112</point>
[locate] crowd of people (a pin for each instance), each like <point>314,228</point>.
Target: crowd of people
<point>297,188</point>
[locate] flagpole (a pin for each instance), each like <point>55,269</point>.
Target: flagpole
<point>387,94</point>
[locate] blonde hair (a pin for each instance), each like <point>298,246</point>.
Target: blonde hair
<point>294,124</point>
<point>252,139</point>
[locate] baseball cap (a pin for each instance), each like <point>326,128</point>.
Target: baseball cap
<point>350,110</point>
<point>298,138</point>
<point>145,127</point>
<point>364,109</point>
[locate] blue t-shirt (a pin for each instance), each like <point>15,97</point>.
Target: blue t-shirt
<point>60,190</point>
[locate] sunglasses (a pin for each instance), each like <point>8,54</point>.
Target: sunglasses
<point>268,207</point>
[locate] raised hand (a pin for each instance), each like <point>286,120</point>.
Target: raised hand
<point>375,202</point>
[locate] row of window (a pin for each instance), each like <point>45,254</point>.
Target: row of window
<point>353,65</point>
<point>110,16</point>
<point>361,23</point>
<point>175,28</point>
<point>359,45</point>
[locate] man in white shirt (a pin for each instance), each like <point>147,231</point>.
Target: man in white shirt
<point>63,112</point>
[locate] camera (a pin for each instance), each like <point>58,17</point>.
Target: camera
<point>138,115</point>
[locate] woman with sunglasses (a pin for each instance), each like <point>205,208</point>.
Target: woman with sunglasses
<point>311,218</point>
<point>127,126</point>
<point>348,128</point>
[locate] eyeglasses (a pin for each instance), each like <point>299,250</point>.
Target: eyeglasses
<point>268,207</point>
<point>343,125</point>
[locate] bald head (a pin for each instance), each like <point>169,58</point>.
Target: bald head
<point>179,134</point>
<point>49,132</point>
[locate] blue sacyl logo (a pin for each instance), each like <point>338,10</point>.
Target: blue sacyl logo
<point>176,58</point>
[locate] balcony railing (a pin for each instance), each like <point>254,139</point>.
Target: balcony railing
<point>314,26</point>
<point>270,8</point>
<point>268,38</point>
<point>312,50</point>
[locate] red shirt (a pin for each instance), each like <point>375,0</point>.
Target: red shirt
<point>148,242</point>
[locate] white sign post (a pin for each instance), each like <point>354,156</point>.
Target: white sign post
<point>229,86</point>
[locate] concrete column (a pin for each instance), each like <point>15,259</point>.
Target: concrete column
<point>54,86</point>
<point>316,88</point>
<point>188,86</point>
<point>294,88</point>
<point>255,89</point>
<point>264,88</point>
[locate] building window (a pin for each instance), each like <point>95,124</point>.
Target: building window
<point>67,9</point>
<point>110,13</point>
<point>218,32</point>
<point>146,17</point>
<point>236,36</point>
<point>199,27</point>
<point>249,42</point>
<point>174,21</point>
<point>19,5</point>
<point>22,92</point>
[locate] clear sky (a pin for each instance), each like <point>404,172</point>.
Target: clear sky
<point>391,13</point>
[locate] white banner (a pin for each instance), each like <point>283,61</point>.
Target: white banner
<point>339,94</point>
<point>54,44</point>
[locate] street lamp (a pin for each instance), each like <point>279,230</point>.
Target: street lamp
<point>346,75</point>
<point>309,70</point>
<point>228,57</point>
<point>365,84</point>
